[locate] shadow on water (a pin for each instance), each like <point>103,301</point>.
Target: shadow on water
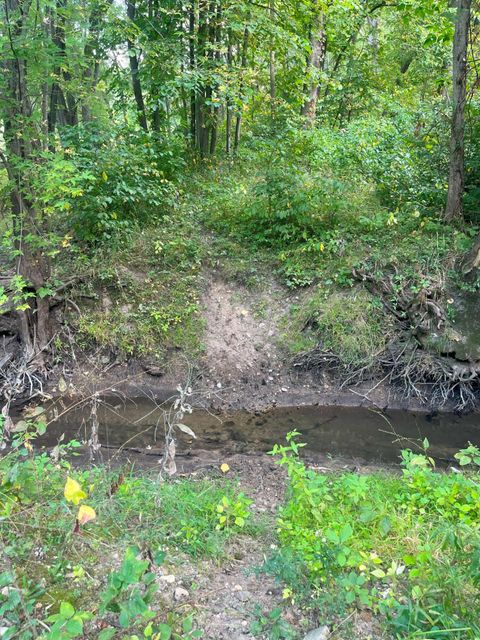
<point>351,431</point>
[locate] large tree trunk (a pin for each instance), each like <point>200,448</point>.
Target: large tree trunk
<point>316,63</point>
<point>456,179</point>
<point>135,72</point>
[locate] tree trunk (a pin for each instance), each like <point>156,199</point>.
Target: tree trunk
<point>134,71</point>
<point>22,145</point>
<point>191,55</point>
<point>90,52</point>
<point>229,105</point>
<point>216,55</point>
<point>243,64</point>
<point>316,61</point>
<point>202,92</point>
<point>272,70</point>
<point>456,179</point>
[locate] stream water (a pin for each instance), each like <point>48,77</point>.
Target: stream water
<point>351,431</point>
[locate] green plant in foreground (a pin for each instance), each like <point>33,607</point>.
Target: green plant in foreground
<point>67,623</point>
<point>130,590</point>
<point>407,547</point>
<point>233,512</point>
<point>271,624</point>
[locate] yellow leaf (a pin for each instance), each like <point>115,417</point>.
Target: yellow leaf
<point>224,468</point>
<point>104,176</point>
<point>85,514</point>
<point>73,491</point>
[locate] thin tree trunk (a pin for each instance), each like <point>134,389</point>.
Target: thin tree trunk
<point>272,70</point>
<point>191,55</point>
<point>134,72</point>
<point>202,92</point>
<point>316,61</point>
<point>90,75</point>
<point>243,64</point>
<point>215,110</point>
<point>229,105</point>
<point>22,145</point>
<point>456,179</point>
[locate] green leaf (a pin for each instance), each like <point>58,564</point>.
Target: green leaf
<point>378,573</point>
<point>165,631</point>
<point>66,610</point>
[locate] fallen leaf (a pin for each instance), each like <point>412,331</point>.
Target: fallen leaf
<point>85,514</point>
<point>73,492</point>
<point>185,429</point>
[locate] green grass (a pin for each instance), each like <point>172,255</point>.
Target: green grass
<point>351,324</point>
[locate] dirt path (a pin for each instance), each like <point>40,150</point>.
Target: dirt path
<point>228,594</point>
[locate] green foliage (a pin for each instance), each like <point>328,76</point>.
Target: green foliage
<point>17,607</point>
<point>130,590</point>
<point>152,285</point>
<point>352,325</point>
<point>67,623</point>
<point>406,547</point>
<point>233,513</point>
<point>469,455</point>
<point>106,182</point>
<point>271,625</point>
<point>49,555</point>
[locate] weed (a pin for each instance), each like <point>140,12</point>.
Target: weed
<point>271,625</point>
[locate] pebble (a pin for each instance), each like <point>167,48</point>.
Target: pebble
<point>168,578</point>
<point>322,633</point>
<point>243,596</point>
<point>180,593</point>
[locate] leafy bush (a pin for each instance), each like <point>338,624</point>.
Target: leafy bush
<point>407,547</point>
<point>105,182</point>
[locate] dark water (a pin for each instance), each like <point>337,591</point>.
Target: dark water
<point>352,431</point>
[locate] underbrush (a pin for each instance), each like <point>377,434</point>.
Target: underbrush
<point>351,324</point>
<point>405,547</point>
<point>318,204</point>
<point>83,551</point>
<point>144,291</point>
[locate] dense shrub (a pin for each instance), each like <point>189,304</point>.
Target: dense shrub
<point>105,182</point>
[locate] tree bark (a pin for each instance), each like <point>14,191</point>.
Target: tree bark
<point>316,61</point>
<point>456,179</point>
<point>229,105</point>
<point>135,72</point>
